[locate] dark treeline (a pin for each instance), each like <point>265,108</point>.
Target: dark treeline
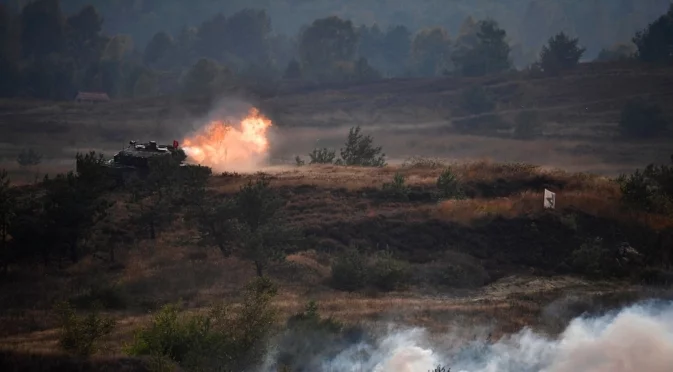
<point>48,53</point>
<point>529,22</point>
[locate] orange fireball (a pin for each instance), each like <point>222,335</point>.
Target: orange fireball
<point>225,146</point>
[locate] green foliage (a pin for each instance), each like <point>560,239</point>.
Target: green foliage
<point>299,161</point>
<point>477,100</point>
<point>90,171</point>
<point>489,55</point>
<point>654,43</point>
<point>590,258</point>
<point>247,225</point>
<point>324,43</point>
<point>561,53</point>
<point>310,320</point>
<point>397,189</point>
<point>152,199</point>
<point>642,119</point>
<point>449,186</point>
<point>322,156</point>
<point>81,335</point>
<point>388,273</point>
<point>223,339</point>
<point>430,51</point>
<point>70,209</point>
<point>360,151</point>
<point>352,270</point>
<point>527,125</point>
<point>349,271</point>
<point>257,203</point>
<point>649,190</point>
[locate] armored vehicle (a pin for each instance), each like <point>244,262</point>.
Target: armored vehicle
<point>136,158</point>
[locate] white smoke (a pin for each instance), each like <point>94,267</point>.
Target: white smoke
<point>635,339</point>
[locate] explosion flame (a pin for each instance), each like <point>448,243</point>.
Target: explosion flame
<point>224,146</point>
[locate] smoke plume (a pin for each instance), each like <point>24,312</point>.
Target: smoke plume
<point>636,339</point>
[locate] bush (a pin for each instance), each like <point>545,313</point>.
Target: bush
<point>81,335</point>
<point>650,190</point>
<point>561,53</point>
<point>477,100</point>
<point>322,156</point>
<point>527,125</point>
<point>349,271</point>
<point>589,257</point>
<point>360,151</point>
<point>396,189</point>
<point>642,119</point>
<point>222,339</point>
<point>310,319</point>
<point>597,259</point>
<point>299,161</point>
<point>388,273</point>
<point>354,270</point>
<point>309,338</point>
<point>449,186</point>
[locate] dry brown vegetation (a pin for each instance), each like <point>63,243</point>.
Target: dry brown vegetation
<point>512,252</point>
<point>338,206</point>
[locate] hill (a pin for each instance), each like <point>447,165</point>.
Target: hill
<point>577,114</point>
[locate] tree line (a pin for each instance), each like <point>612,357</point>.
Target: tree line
<point>47,54</point>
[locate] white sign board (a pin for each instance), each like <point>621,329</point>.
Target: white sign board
<point>549,199</point>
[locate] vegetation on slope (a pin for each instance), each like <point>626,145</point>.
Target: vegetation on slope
<point>453,226</point>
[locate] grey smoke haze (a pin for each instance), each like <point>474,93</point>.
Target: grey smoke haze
<point>636,339</point>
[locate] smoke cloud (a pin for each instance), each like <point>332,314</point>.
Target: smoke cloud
<point>635,339</point>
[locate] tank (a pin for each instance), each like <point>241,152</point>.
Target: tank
<point>135,159</point>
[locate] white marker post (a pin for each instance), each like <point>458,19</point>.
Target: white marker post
<point>549,199</point>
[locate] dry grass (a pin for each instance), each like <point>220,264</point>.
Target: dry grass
<point>335,203</point>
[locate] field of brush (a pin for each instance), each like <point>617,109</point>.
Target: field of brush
<point>496,259</point>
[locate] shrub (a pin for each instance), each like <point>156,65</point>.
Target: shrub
<point>476,100</point>
<point>595,258</point>
<point>222,339</point>
<point>81,335</point>
<point>527,125</point>
<point>354,270</point>
<point>588,257</point>
<point>349,271</point>
<point>299,161</point>
<point>397,189</point>
<point>322,156</point>
<point>561,53</point>
<point>642,119</point>
<point>359,150</point>
<point>310,319</point>
<point>649,190</point>
<point>388,273</point>
<point>309,338</point>
<point>449,186</point>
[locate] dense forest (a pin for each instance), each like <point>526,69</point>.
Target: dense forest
<point>50,49</point>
